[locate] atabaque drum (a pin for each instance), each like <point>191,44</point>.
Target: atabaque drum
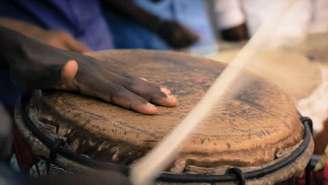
<point>255,137</point>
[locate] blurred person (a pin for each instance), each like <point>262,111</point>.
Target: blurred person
<point>230,20</point>
<point>160,24</point>
<point>70,24</point>
<point>319,16</point>
<point>295,23</point>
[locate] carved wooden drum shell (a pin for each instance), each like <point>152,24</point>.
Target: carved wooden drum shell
<point>257,129</point>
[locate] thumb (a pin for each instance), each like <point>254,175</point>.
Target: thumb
<point>69,71</point>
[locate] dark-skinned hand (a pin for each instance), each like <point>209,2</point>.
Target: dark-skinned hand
<point>34,65</point>
<point>235,34</point>
<point>176,35</point>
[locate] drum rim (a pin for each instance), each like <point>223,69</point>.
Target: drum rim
<point>56,148</point>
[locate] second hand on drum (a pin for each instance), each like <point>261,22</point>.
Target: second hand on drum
<point>145,170</point>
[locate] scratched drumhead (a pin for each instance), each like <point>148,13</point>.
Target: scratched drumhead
<point>258,125</point>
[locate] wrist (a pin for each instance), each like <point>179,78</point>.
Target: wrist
<point>12,45</point>
<point>9,44</point>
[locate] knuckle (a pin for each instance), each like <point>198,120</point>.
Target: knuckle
<point>119,92</point>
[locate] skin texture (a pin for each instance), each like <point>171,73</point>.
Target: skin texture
<point>58,39</point>
<point>34,65</point>
<point>172,32</point>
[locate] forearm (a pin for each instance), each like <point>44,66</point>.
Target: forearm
<point>24,28</point>
<point>10,45</point>
<point>129,9</point>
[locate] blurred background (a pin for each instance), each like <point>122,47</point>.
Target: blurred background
<point>217,29</point>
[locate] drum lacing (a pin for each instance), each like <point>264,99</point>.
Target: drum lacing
<point>307,121</point>
<point>54,150</point>
<point>166,177</point>
<point>239,175</point>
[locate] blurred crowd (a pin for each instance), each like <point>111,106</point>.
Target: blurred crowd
<point>197,26</point>
<point>107,24</point>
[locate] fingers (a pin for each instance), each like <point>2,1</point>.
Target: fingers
<point>170,99</point>
<point>153,93</point>
<point>134,102</point>
<point>114,93</point>
<point>114,85</point>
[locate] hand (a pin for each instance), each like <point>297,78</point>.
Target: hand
<point>58,39</point>
<point>237,33</point>
<point>176,35</point>
<point>34,65</point>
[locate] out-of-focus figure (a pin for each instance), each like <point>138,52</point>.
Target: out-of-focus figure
<point>312,15</point>
<point>161,24</point>
<point>319,21</point>
<point>72,25</point>
<point>230,20</point>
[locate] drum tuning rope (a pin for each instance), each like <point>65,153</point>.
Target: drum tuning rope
<point>234,174</point>
<point>145,170</point>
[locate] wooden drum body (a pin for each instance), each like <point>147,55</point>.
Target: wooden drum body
<point>258,131</point>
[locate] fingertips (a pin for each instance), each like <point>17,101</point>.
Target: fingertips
<point>166,91</point>
<point>159,96</point>
<point>170,100</point>
<point>146,108</point>
<point>164,98</point>
<point>134,102</point>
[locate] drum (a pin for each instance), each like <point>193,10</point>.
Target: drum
<point>255,137</point>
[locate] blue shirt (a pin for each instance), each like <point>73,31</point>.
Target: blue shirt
<point>81,18</point>
<point>192,14</point>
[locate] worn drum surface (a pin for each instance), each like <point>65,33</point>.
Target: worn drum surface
<point>256,128</point>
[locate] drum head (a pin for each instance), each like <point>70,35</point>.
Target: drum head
<point>257,126</point>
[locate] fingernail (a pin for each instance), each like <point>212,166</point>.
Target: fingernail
<point>171,100</point>
<point>150,108</point>
<point>166,91</point>
<point>69,70</point>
